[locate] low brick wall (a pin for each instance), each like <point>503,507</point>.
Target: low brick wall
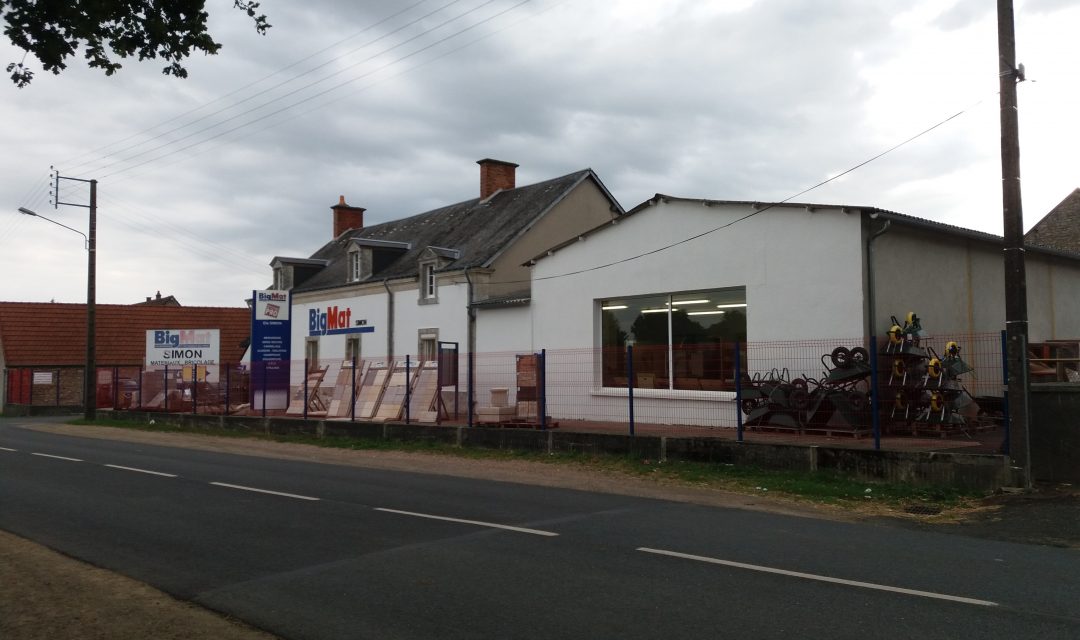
<point>970,471</point>
<point>1055,432</point>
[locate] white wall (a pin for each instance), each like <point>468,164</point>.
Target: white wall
<point>802,272</point>
<point>504,329</point>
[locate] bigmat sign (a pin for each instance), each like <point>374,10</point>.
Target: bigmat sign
<point>336,320</point>
<point>270,351</point>
<point>182,347</point>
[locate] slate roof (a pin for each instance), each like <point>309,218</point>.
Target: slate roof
<point>54,334</point>
<point>1059,229</point>
<point>478,230</point>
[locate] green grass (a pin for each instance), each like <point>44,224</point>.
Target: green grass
<point>823,487</point>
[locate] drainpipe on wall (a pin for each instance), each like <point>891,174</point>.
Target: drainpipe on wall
<point>870,301</point>
<point>471,344</point>
<point>389,321</point>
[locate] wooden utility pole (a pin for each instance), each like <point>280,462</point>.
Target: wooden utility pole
<point>1016,318</point>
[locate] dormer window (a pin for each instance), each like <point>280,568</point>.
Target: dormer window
<point>356,270</point>
<point>428,290</point>
<point>279,278</point>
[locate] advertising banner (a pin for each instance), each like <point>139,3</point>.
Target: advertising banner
<point>270,349</point>
<point>182,347</point>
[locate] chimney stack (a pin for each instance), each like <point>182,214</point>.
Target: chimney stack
<point>495,175</point>
<point>346,217</point>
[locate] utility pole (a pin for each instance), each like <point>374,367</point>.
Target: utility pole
<point>90,368</point>
<point>1016,317</point>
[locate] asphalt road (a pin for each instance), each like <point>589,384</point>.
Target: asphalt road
<point>319,551</point>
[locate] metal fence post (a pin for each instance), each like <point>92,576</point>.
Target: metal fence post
<point>408,387</point>
<point>115,387</point>
<point>140,385</point>
<point>194,389</point>
<point>469,385</point>
<point>541,400</point>
<point>263,363</point>
<point>352,407</point>
<point>630,384</point>
<point>58,387</point>
<point>738,393</point>
<point>305,390</point>
<point>228,387</point>
<point>166,388</point>
<point>875,396</point>
<point>1005,392</point>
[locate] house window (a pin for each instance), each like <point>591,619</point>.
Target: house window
<point>352,350</point>
<point>427,345</point>
<point>428,291</point>
<point>681,341</point>
<point>311,354</point>
<point>355,266</point>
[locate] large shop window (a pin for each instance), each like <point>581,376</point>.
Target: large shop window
<point>681,341</point>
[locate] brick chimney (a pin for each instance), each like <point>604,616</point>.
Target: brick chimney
<point>346,217</point>
<point>495,175</point>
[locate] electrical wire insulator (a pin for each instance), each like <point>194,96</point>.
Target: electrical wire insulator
<point>899,368</point>
<point>952,349</point>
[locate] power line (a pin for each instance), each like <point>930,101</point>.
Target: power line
<point>252,84</point>
<point>294,115</point>
<point>308,86</point>
<point>761,210</point>
<point>271,88</point>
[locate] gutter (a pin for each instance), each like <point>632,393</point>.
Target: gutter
<point>870,298</point>
<point>471,345</point>
<point>389,321</point>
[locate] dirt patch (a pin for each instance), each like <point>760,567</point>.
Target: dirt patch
<point>45,595</point>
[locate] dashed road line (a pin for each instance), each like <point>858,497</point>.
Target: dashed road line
<point>812,576</point>
<point>256,490</point>
<point>153,473</point>
<point>48,455</point>
<point>6,449</point>
<point>492,525</point>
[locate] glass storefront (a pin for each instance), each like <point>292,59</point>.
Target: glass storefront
<point>681,341</point>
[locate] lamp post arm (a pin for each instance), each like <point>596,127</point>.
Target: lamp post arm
<point>28,212</point>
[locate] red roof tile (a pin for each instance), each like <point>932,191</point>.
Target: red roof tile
<point>54,334</point>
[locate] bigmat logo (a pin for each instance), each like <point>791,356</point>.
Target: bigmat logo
<point>335,320</point>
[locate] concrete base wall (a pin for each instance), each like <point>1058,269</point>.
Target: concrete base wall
<point>1055,432</point>
<point>31,410</point>
<point>968,471</point>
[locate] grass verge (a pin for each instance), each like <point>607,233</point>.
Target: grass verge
<point>822,487</point>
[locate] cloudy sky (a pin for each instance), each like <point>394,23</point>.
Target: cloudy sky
<point>390,103</point>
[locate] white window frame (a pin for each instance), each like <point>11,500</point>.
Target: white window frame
<point>352,347</point>
<point>428,283</point>
<point>355,266</point>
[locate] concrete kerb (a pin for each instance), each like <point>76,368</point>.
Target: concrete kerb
<point>985,472</point>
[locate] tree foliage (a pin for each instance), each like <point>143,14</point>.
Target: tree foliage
<point>53,30</point>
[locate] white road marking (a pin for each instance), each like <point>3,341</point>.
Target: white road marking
<point>153,473</point>
<point>811,576</point>
<point>6,449</point>
<point>535,532</point>
<point>46,455</point>
<point>273,493</point>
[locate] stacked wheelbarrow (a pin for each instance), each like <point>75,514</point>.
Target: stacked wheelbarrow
<point>838,402</point>
<point>924,386</point>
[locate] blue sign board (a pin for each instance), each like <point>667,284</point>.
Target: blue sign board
<point>271,313</point>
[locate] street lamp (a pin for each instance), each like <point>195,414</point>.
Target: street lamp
<point>90,370</point>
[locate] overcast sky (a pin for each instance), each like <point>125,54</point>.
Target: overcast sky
<point>203,181</point>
